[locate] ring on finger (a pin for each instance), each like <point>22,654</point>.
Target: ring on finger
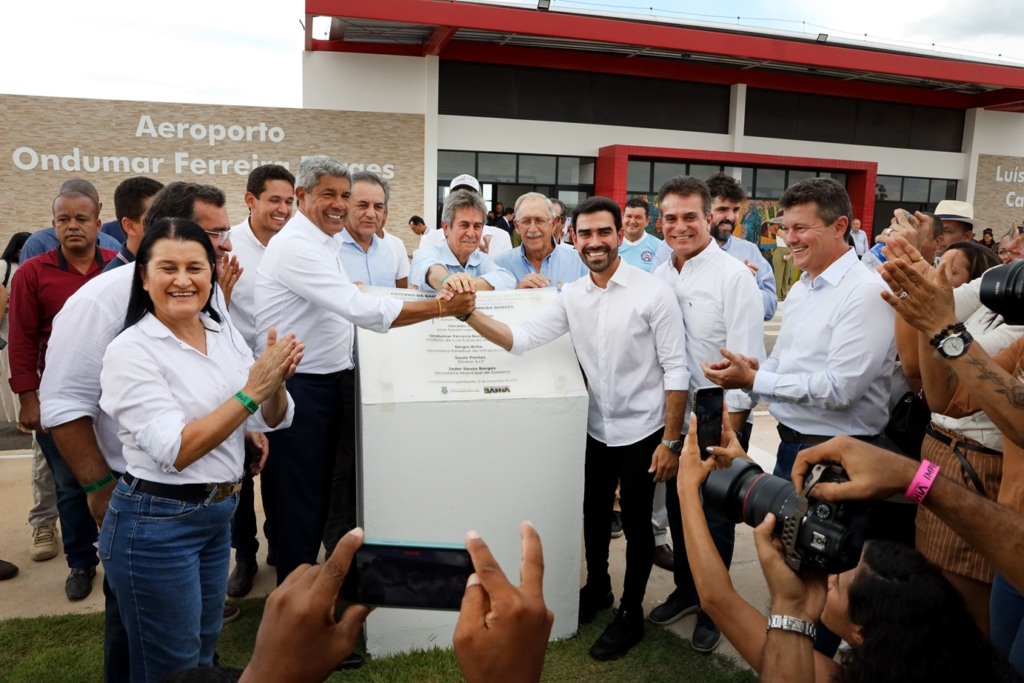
<point>903,294</point>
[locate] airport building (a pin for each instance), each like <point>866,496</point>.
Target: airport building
<point>572,105</point>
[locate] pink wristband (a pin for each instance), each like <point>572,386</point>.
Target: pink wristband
<point>926,475</point>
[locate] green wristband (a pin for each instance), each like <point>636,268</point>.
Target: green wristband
<point>445,278</point>
<point>99,483</point>
<point>250,405</point>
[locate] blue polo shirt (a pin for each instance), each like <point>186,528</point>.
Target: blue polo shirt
<point>640,254</point>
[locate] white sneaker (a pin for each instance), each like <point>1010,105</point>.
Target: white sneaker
<point>44,543</point>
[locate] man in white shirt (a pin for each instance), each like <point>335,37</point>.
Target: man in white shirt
<point>368,259</point>
<point>394,243</point>
<point>493,240</point>
<point>859,237</point>
<point>639,247</point>
<point>721,307</point>
<point>302,287</point>
<point>270,195</point>
<point>726,196</point>
<point>628,334</point>
<point>831,369</point>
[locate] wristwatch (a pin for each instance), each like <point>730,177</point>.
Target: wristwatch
<point>787,623</point>
<point>674,446</point>
<point>954,345</point>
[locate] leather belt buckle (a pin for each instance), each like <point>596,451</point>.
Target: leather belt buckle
<point>218,492</point>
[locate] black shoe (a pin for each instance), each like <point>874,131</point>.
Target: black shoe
<point>354,661</point>
<point>706,635</point>
<point>7,570</point>
<point>672,610</point>
<point>593,602</point>
<point>240,581</point>
<point>663,557</point>
<point>623,633</point>
<point>616,523</point>
<point>79,583</point>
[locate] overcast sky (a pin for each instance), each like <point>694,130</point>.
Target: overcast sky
<point>235,52</point>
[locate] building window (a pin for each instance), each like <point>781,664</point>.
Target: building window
<point>537,94</point>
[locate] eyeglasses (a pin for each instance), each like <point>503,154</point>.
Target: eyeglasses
<point>218,237</point>
<point>531,221</point>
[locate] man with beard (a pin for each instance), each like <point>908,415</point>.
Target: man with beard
<point>627,330</point>
<point>726,197</point>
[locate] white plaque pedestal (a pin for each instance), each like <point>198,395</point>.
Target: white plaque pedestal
<point>458,434</point>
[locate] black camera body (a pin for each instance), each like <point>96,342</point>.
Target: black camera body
<point>817,535</point>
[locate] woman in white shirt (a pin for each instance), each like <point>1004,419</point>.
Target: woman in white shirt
<point>183,388</point>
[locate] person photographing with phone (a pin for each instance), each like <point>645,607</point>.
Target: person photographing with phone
<point>721,306</point>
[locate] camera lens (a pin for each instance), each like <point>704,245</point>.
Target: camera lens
<point>1002,290</point>
<point>746,493</point>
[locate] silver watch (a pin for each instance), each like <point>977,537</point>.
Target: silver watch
<point>787,623</point>
<point>675,446</point>
<point>954,345</point>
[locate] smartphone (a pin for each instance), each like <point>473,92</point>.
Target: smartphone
<point>707,406</point>
<point>415,576</point>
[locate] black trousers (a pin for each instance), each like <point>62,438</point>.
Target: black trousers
<point>626,466</point>
<point>302,464</point>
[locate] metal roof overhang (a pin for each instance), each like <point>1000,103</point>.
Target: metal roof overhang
<point>498,34</point>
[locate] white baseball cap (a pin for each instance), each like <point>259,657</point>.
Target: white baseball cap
<point>464,181</point>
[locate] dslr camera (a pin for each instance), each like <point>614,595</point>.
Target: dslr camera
<point>817,535</point>
<point>1002,290</point>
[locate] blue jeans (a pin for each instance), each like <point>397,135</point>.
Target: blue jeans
<point>1006,615</point>
<point>167,563</point>
<point>78,529</point>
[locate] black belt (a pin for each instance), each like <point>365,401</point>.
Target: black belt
<point>792,436</point>
<point>931,431</point>
<point>188,493</point>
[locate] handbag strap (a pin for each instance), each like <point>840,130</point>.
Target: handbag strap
<point>969,470</point>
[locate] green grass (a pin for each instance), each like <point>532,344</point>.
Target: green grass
<point>69,649</point>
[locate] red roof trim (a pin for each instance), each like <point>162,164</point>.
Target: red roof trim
<point>667,37</point>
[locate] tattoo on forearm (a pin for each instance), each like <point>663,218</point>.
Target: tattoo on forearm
<point>1013,391</point>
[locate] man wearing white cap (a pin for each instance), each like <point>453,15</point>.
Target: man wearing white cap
<point>958,224</point>
<point>494,241</point>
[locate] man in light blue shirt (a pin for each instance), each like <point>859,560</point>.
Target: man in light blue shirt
<point>458,262</point>
<point>537,262</point>
<point>639,247</point>
<point>366,258</point>
<point>859,237</point>
<point>831,369</point>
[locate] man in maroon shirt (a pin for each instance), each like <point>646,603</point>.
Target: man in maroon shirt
<point>38,292</point>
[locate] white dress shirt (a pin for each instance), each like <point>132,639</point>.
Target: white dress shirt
<point>832,366</point>
<point>629,340</point>
<point>82,331</point>
<point>154,385</point>
<point>302,288</point>
<point>499,243</point>
<point>721,306</point>
<point>249,251</point>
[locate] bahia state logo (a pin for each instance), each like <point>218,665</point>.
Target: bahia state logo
<point>497,390</point>
<point>647,256</point>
